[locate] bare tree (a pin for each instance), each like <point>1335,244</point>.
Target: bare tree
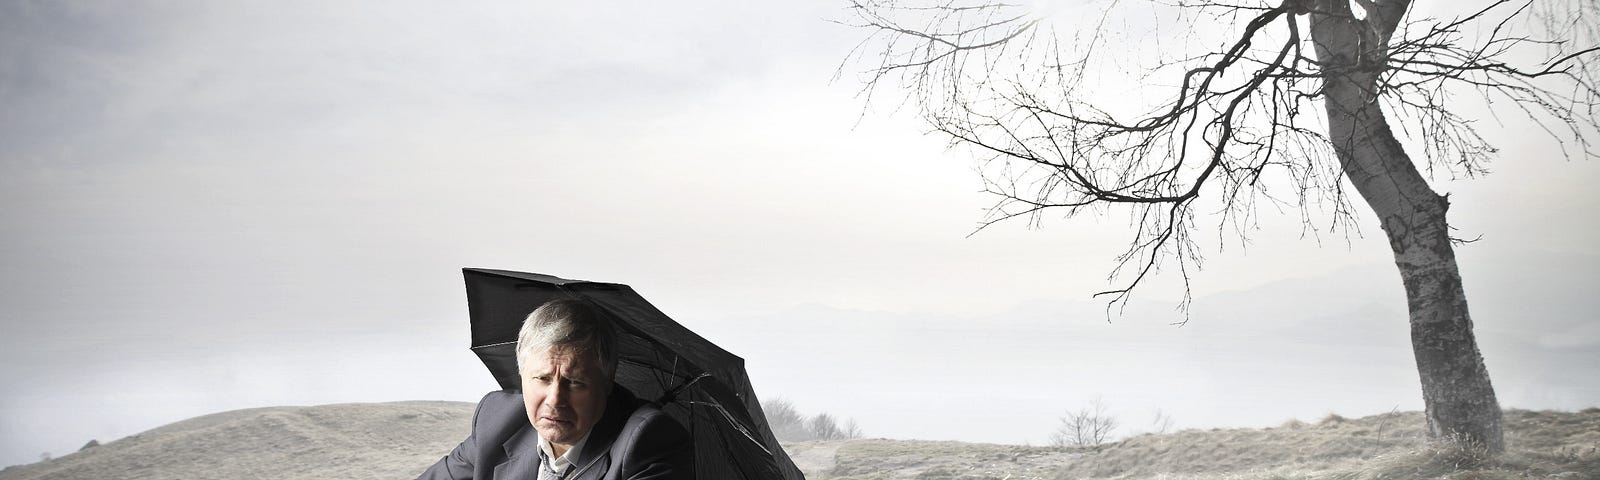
<point>824,427</point>
<point>1086,427</point>
<point>1288,101</point>
<point>786,421</point>
<point>1161,422</point>
<point>788,424</point>
<point>851,429</point>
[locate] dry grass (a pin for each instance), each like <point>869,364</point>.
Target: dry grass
<point>1381,447</point>
<point>399,440</point>
<point>1543,445</point>
<point>899,459</point>
<point>387,440</point>
<point>1318,447</point>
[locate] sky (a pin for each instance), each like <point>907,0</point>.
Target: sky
<point>209,206</point>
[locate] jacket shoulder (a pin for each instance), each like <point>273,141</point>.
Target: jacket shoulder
<point>652,445</point>
<point>648,420</point>
<point>500,415</point>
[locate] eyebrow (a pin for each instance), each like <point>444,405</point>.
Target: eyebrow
<point>581,375</point>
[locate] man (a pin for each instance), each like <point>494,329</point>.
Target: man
<point>583,427</point>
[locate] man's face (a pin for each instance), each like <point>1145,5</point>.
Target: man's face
<point>565,394</point>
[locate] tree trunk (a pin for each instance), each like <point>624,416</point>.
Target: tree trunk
<point>1460,402</point>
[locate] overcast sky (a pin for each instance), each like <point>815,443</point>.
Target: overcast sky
<point>210,206</point>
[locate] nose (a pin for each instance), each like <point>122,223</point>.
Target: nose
<point>557,396</point>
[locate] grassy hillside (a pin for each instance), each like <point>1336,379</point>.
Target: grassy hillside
<point>1542,445</point>
<point>399,440</point>
<point>345,441</point>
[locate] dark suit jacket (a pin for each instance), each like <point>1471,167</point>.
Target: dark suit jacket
<point>631,440</point>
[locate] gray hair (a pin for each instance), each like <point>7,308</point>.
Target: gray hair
<point>568,324</point>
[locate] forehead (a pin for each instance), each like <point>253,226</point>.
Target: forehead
<point>570,361</point>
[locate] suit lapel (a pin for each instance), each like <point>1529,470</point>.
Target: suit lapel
<point>522,456</point>
<point>595,459</point>
<point>592,468</point>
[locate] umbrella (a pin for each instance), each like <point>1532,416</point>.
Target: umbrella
<point>696,382</point>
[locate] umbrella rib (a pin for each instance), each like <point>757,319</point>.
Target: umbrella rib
<point>741,428</point>
<point>673,393</point>
<point>494,345</point>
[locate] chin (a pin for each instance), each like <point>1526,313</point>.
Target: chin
<point>558,435</point>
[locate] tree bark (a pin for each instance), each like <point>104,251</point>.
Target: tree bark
<point>1460,402</point>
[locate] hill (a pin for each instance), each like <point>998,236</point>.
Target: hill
<point>399,440</point>
<point>346,441</point>
<point>1390,446</point>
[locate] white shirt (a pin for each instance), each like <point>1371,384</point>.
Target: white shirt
<point>558,466</point>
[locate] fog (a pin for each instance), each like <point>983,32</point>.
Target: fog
<point>209,207</point>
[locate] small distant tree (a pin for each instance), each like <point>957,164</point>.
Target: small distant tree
<point>787,423</point>
<point>851,429</point>
<point>1162,423</point>
<point>824,427</point>
<point>1088,426</point>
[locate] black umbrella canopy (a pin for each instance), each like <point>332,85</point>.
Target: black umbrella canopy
<point>701,385</point>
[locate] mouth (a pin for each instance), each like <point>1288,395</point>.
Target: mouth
<point>559,420</point>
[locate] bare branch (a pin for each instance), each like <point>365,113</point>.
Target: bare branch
<point>1240,124</point>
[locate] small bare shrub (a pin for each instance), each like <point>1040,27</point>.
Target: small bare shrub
<point>1088,426</point>
<point>1162,423</point>
<point>1331,419</point>
<point>823,427</point>
<point>788,424</point>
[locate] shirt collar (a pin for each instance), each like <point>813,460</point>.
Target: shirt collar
<point>560,465</point>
